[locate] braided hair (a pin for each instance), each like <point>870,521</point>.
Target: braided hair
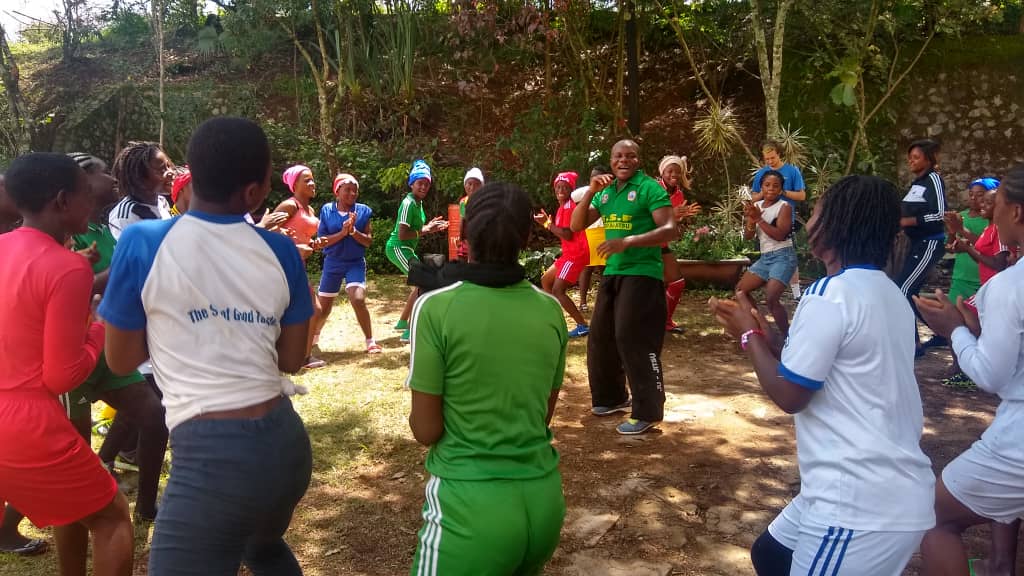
<point>858,220</point>
<point>1013,184</point>
<point>91,164</point>
<point>131,167</point>
<point>498,223</point>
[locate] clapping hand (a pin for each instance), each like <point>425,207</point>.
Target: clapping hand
<point>91,253</point>
<point>436,224</point>
<point>955,222</point>
<point>541,217</point>
<point>742,315</point>
<point>271,220</point>
<point>752,212</point>
<point>685,211</point>
<point>958,245</point>
<point>941,315</point>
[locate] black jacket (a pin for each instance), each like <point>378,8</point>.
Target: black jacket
<point>926,201</point>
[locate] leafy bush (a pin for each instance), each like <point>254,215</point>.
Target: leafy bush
<point>537,261</point>
<point>707,239</point>
<point>376,259</point>
<point>127,29</point>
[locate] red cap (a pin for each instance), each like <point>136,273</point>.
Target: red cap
<point>180,182</point>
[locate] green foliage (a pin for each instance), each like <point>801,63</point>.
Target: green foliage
<point>541,146</point>
<point>536,262</point>
<point>708,239</point>
<point>126,29</point>
<point>376,259</point>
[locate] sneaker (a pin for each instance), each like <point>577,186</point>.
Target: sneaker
<point>959,381</point>
<point>633,427</point>
<point>313,362</point>
<point>674,328</point>
<point>373,348</point>
<point>402,325</point>
<point>102,427</point>
<point>606,410</point>
<point>404,338</point>
<point>579,330</point>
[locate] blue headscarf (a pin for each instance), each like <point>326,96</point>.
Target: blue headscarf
<point>419,170</point>
<point>988,183</point>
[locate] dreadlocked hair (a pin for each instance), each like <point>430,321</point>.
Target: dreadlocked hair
<point>1013,184</point>
<point>858,220</point>
<point>131,167</point>
<point>88,162</point>
<point>498,219</point>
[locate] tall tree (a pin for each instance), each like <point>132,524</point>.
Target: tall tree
<point>19,111</point>
<point>770,65</point>
<point>158,42</point>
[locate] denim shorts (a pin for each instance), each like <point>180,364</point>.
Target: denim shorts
<point>233,488</point>
<point>776,265</point>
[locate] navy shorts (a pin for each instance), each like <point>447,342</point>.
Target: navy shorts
<point>776,265</point>
<point>338,273</point>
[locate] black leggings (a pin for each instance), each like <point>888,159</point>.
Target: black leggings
<point>770,557</point>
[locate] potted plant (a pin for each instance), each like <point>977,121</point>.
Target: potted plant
<point>712,250</point>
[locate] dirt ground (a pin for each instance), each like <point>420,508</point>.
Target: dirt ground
<point>688,500</point>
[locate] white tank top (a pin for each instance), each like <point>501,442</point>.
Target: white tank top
<point>770,215</point>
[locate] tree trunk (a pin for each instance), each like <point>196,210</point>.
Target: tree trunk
<point>633,68</point>
<point>771,71</point>
<point>158,24</point>
<point>19,111</point>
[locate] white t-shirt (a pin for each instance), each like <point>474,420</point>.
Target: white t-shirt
<point>995,361</point>
<point>578,195</point>
<point>211,293</point>
<point>770,215</point>
<point>129,211</point>
<point>858,440</point>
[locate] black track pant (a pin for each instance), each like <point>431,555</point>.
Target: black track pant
<point>626,335</point>
<point>922,257</point>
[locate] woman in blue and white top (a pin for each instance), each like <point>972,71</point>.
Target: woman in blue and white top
<point>847,373</point>
<point>345,235</point>
<point>771,219</point>
<point>985,483</point>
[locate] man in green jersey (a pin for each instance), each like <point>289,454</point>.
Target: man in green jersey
<point>484,388</point>
<point>627,329</point>
<point>405,238</point>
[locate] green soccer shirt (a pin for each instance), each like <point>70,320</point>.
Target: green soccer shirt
<point>100,234</point>
<point>411,214</point>
<point>494,355</point>
<point>627,212</point>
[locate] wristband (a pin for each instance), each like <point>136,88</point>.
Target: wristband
<point>745,337</point>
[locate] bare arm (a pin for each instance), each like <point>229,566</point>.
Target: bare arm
<point>584,214</point>
<point>364,238</point>
<point>426,419</point>
<point>783,224</point>
<point>552,401</point>
<point>126,350</point>
<point>291,347</point>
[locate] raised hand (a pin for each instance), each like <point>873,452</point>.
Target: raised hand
<point>685,211</point>
<point>940,314</point>
<point>598,183</point>
<point>954,221</point>
<point>541,217</point>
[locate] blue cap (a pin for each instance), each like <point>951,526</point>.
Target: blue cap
<point>988,183</point>
<point>419,170</point>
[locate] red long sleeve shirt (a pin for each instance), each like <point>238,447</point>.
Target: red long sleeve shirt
<point>46,340</point>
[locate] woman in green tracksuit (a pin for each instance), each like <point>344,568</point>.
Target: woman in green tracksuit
<point>409,226</point>
<point>487,360</point>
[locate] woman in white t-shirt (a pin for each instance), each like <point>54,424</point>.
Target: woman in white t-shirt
<point>771,219</point>
<point>985,483</point>
<point>847,373</point>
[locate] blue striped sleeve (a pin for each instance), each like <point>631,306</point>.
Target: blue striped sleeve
<point>795,378</point>
<point>300,301</point>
